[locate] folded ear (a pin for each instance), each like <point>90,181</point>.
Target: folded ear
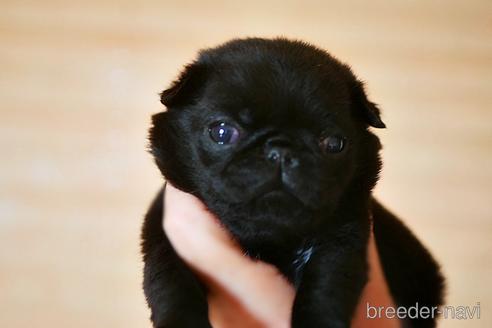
<point>370,111</point>
<point>186,88</point>
<point>169,153</point>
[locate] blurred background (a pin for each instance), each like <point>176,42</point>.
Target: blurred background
<point>79,81</point>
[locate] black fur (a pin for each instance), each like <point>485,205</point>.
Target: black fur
<point>307,214</point>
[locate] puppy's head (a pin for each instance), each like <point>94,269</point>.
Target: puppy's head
<point>267,132</point>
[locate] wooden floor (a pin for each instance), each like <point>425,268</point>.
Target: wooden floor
<point>79,81</point>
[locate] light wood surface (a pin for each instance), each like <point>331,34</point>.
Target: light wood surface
<point>79,81</point>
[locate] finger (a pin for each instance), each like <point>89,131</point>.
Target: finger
<point>207,247</point>
<point>190,227</point>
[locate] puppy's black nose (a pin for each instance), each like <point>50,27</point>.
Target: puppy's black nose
<point>282,157</point>
<point>278,152</point>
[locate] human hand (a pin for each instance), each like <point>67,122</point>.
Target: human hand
<point>244,292</point>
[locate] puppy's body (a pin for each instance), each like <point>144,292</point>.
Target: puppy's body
<point>273,136</point>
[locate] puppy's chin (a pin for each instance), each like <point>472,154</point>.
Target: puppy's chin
<point>273,208</point>
<point>265,190</point>
<point>269,198</point>
<point>272,213</point>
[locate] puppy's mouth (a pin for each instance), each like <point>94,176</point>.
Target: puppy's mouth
<point>275,192</point>
<point>275,189</point>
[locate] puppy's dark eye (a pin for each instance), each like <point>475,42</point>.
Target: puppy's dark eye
<point>333,144</point>
<point>223,133</point>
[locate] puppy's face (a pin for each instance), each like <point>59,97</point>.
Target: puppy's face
<point>275,130</point>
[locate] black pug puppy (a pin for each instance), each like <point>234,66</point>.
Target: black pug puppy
<point>273,136</point>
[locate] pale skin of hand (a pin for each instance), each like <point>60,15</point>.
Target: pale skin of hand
<point>244,293</point>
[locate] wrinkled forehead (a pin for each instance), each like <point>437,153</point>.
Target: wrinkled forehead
<point>271,92</point>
